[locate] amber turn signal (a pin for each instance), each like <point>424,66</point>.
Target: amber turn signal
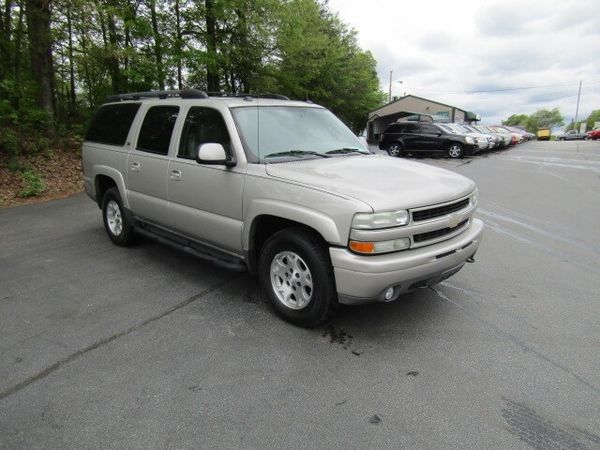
<point>362,247</point>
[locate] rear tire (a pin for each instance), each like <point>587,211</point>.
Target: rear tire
<point>116,222</point>
<point>296,275</point>
<point>395,149</point>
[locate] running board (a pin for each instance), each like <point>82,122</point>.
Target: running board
<point>193,248</point>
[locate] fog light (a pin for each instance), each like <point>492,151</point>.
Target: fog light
<point>389,293</point>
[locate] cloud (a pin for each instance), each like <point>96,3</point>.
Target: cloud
<point>452,51</point>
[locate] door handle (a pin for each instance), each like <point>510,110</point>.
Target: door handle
<point>135,166</point>
<point>175,175</point>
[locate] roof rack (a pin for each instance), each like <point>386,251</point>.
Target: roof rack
<point>244,95</point>
<point>188,93</point>
<point>184,93</point>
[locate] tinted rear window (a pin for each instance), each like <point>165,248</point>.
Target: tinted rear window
<point>157,128</point>
<point>111,124</point>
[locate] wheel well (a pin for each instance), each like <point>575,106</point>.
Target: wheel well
<point>264,227</point>
<point>103,183</point>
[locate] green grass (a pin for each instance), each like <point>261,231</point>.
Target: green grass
<point>33,184</point>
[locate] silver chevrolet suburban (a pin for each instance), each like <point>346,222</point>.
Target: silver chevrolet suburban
<point>282,189</point>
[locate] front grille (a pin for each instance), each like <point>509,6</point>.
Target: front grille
<point>437,233</point>
<point>431,213</point>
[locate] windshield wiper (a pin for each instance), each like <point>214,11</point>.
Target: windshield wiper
<point>297,153</point>
<point>347,151</point>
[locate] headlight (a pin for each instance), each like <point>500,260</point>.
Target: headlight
<point>376,221</point>
<point>374,248</point>
<point>475,197</point>
<point>469,140</point>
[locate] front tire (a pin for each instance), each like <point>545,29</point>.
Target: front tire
<point>456,151</point>
<point>295,273</point>
<point>116,222</point>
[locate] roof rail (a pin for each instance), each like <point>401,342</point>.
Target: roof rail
<point>188,93</point>
<point>244,95</point>
<point>184,93</point>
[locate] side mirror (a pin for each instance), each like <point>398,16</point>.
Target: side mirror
<point>213,154</point>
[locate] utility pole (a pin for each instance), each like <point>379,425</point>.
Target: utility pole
<point>390,91</point>
<point>577,109</point>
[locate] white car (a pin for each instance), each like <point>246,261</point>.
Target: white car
<point>481,140</point>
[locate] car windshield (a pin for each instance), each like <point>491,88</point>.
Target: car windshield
<point>463,129</point>
<point>448,129</point>
<point>276,133</point>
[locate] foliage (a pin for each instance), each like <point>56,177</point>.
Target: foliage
<point>593,118</point>
<point>100,47</point>
<point>542,118</point>
<point>33,184</point>
<point>516,119</point>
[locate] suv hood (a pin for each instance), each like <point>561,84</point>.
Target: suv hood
<point>382,182</point>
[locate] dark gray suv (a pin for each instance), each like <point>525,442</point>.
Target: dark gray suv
<point>428,138</point>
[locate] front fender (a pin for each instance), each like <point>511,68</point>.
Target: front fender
<point>317,220</point>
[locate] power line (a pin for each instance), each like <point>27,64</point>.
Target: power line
<point>484,91</point>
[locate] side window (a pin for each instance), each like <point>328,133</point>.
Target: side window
<point>410,127</point>
<point>393,128</point>
<point>157,128</point>
<point>202,126</point>
<point>111,124</point>
<point>429,129</point>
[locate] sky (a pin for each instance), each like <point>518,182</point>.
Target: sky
<point>492,57</point>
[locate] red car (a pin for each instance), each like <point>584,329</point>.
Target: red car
<point>594,134</point>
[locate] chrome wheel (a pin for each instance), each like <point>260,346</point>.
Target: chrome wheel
<point>291,280</point>
<point>455,151</point>
<point>114,218</point>
<point>394,150</point>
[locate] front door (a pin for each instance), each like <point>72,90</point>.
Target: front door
<point>430,140</point>
<point>205,202</point>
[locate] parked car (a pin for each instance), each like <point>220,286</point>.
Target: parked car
<point>593,134</point>
<point>425,138</point>
<point>572,135</point>
<point>513,137</point>
<point>293,197</point>
<point>527,136</point>
<point>493,141</point>
<point>503,138</point>
<point>480,140</point>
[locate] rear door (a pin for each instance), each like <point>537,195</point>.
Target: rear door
<point>148,164</point>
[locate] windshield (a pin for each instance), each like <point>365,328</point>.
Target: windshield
<point>447,128</point>
<point>462,129</point>
<point>273,133</point>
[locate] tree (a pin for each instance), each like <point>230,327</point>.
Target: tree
<point>593,118</point>
<point>544,118</point>
<point>516,119</point>
<point>40,45</point>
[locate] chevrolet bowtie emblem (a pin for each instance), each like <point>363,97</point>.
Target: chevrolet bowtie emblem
<point>454,220</point>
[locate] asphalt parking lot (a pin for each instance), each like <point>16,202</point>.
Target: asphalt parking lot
<point>145,347</point>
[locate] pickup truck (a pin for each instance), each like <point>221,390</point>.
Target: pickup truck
<point>572,135</point>
<point>282,189</point>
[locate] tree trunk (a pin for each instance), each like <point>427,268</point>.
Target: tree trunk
<point>40,43</point>
<point>160,78</point>
<point>71,64</point>
<point>113,59</point>
<point>212,72</point>
<point>5,37</point>
<point>178,44</point>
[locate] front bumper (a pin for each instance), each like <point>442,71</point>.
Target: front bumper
<point>471,149</point>
<point>363,279</point>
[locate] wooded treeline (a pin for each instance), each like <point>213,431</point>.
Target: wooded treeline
<point>60,59</point>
